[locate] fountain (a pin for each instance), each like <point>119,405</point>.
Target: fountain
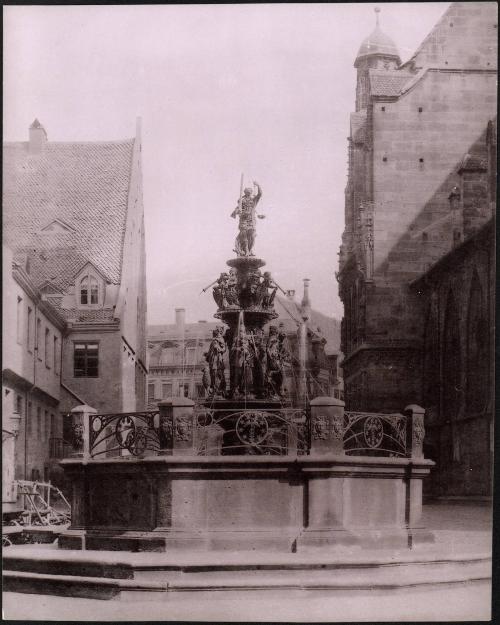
<point>245,470</point>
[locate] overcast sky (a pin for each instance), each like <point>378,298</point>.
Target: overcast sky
<point>222,89</point>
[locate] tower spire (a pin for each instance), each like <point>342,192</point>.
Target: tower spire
<point>377,13</point>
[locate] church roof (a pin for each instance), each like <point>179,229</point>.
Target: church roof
<point>377,43</point>
<point>65,206</point>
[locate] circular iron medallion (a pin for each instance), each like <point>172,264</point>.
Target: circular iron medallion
<point>252,428</point>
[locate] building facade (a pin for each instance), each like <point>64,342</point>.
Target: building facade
<point>31,355</point>
<point>73,218</point>
<point>177,355</point>
<point>420,188</point>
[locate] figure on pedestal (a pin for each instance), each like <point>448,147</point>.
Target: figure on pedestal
<point>232,296</point>
<point>259,362</point>
<point>267,296</point>
<point>241,365</point>
<point>246,212</point>
<point>220,289</point>
<point>274,362</point>
<point>215,360</point>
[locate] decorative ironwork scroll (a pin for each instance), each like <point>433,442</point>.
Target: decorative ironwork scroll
<point>253,432</point>
<point>134,432</point>
<point>375,434</point>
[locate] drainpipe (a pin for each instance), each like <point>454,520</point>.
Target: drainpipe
<point>30,390</point>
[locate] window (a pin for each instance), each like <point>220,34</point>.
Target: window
<point>166,390</point>
<point>89,290</point>
<point>29,329</point>
<point>19,319</point>
<point>86,360</point>
<point>38,332</point>
<point>47,348</point>
<point>56,355</point>
<point>200,391</point>
<point>19,405</point>
<point>151,391</point>
<point>52,425</point>
<point>190,355</point>
<point>183,390</point>
<point>47,425</point>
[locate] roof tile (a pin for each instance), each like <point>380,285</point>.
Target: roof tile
<point>388,83</point>
<point>85,185</point>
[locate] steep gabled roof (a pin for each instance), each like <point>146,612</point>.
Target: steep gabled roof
<point>84,185</point>
<point>465,37</point>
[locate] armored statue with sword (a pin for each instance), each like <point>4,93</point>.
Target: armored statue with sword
<point>246,210</point>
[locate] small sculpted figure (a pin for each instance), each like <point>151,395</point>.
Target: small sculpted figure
<point>241,361</point>
<point>258,345</point>
<point>215,360</point>
<point>268,290</point>
<point>220,289</point>
<point>205,378</point>
<point>231,292</point>
<point>247,215</point>
<point>274,363</point>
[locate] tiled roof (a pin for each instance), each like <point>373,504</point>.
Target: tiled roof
<point>358,126</point>
<point>473,162</point>
<point>84,186</point>
<point>387,83</point>
<point>77,314</point>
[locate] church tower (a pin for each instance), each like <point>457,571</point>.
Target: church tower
<point>378,51</point>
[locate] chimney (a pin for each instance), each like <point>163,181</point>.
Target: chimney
<point>180,319</point>
<point>38,137</point>
<point>306,302</point>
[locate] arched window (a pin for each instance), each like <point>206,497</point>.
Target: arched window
<point>89,290</point>
<point>452,378</point>
<point>478,383</point>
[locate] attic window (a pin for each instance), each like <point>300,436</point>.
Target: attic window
<point>89,290</point>
<point>420,109</point>
<point>384,159</point>
<point>382,108</point>
<point>420,160</point>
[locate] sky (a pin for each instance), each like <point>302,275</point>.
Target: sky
<point>264,90</point>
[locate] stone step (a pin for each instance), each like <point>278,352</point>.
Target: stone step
<point>75,585</point>
<point>85,576</point>
<point>65,566</point>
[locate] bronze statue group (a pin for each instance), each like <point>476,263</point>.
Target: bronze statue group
<point>256,363</point>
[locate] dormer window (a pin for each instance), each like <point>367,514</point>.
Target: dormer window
<point>89,290</point>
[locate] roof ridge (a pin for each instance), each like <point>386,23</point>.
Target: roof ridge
<point>99,142</point>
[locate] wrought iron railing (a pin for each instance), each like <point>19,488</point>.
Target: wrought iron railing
<point>251,432</point>
<point>132,432</point>
<point>375,434</point>
<point>275,432</point>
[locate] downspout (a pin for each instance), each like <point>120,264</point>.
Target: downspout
<point>30,390</point>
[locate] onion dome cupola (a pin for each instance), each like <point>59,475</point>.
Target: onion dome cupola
<point>378,51</point>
